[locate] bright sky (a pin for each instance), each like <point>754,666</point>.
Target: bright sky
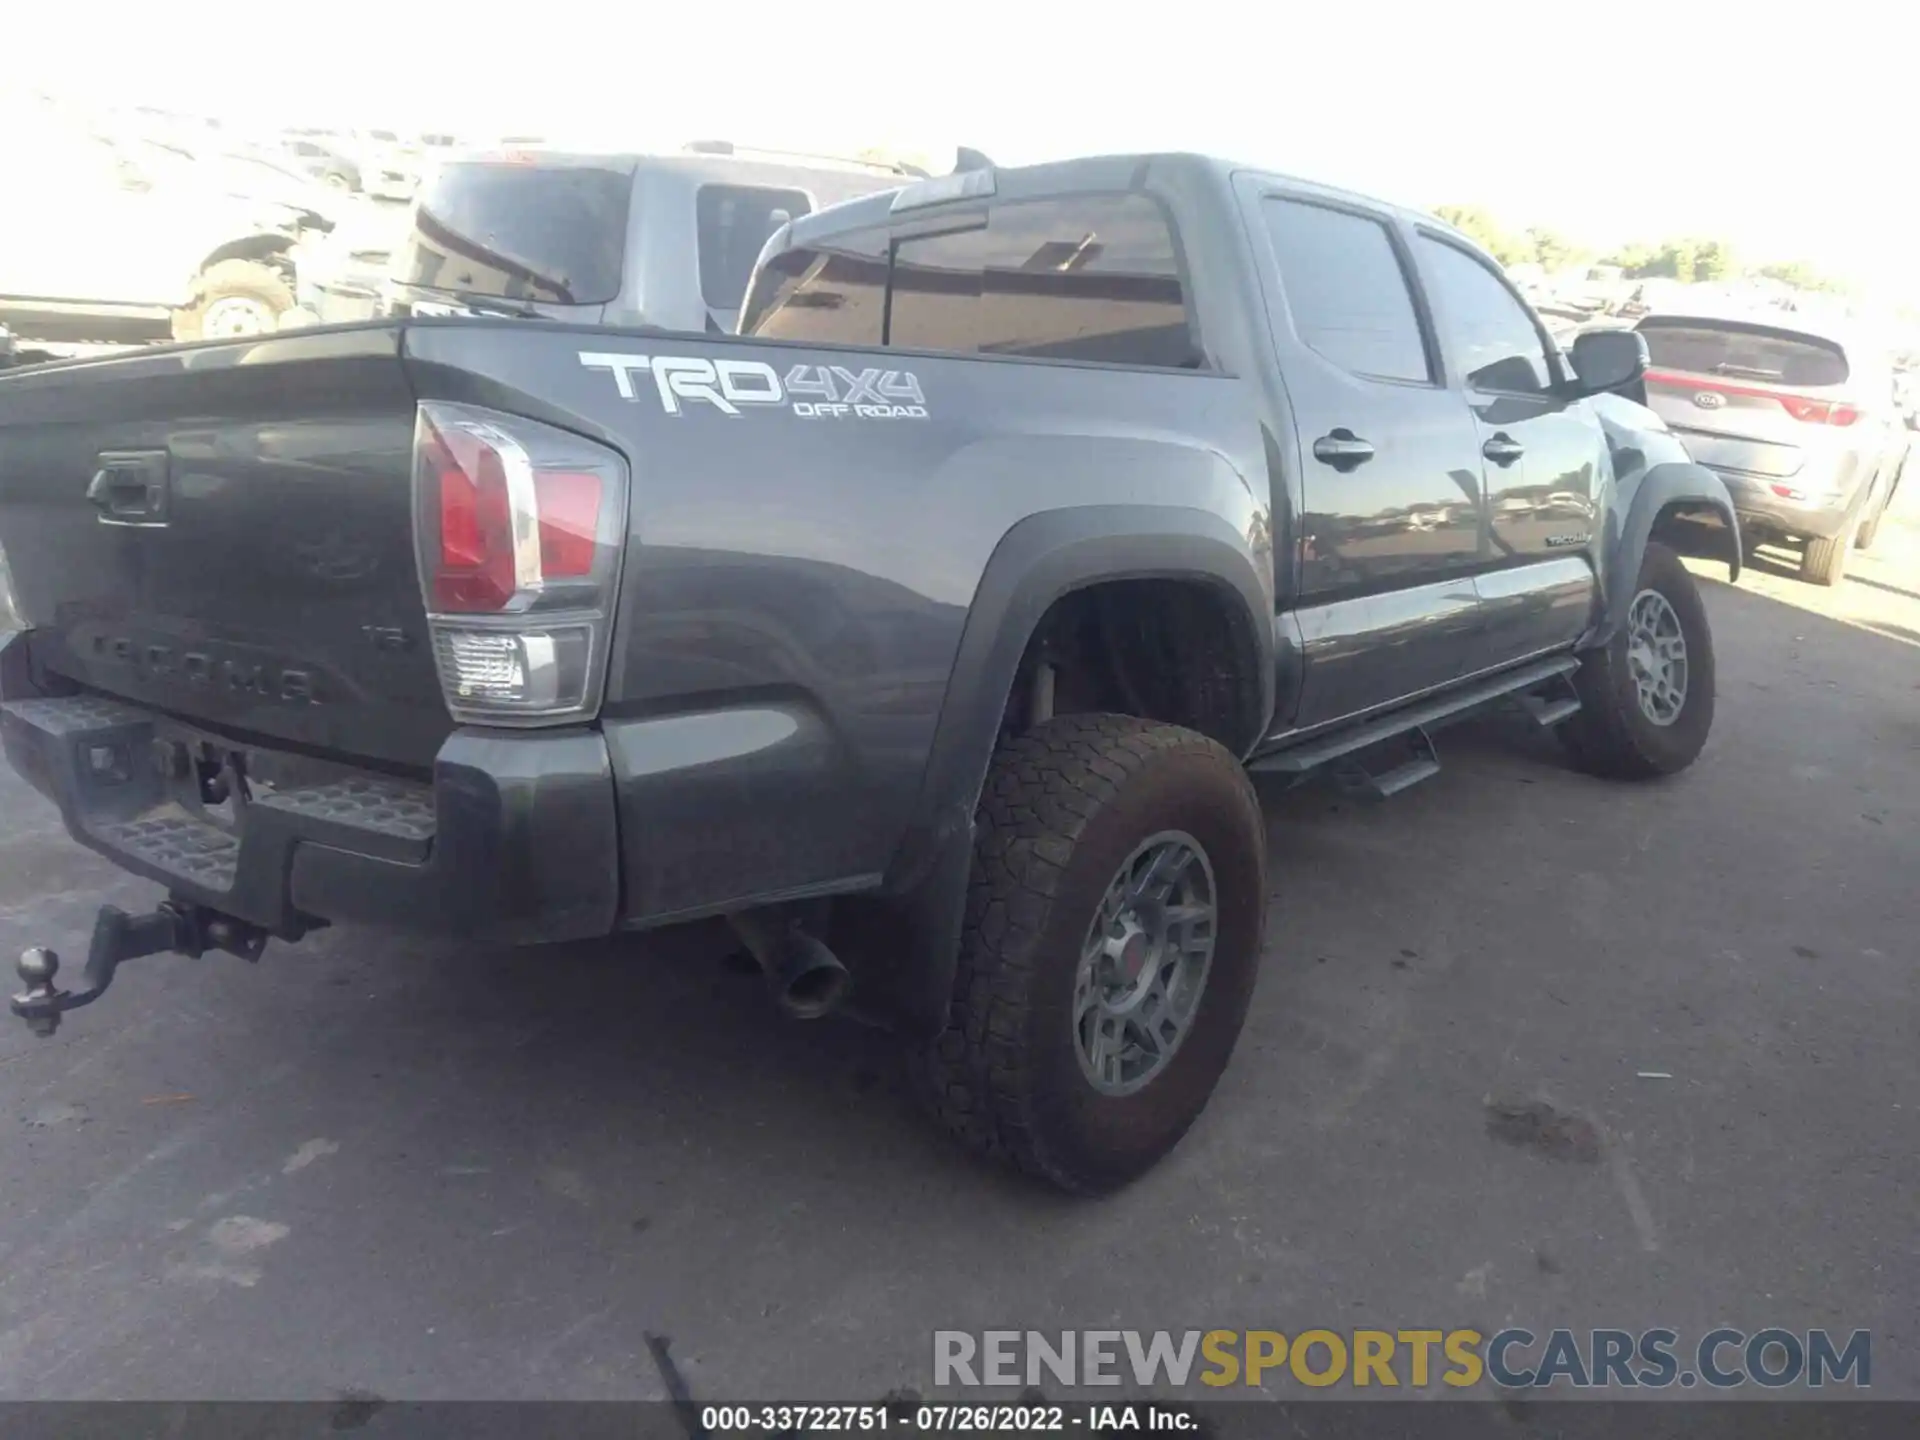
<point>1790,130</point>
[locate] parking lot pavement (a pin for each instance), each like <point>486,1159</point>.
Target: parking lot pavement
<point>409,1170</point>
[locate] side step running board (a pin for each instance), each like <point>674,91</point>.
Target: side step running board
<point>1422,764</point>
<point>1423,715</point>
<point>1546,712</point>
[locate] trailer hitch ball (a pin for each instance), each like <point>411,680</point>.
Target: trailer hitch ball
<point>36,968</point>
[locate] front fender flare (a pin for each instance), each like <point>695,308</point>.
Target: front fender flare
<point>1678,485</point>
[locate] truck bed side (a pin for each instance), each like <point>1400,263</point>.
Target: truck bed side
<point>810,593</point>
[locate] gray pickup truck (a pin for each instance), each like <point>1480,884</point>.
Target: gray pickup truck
<point>928,630</point>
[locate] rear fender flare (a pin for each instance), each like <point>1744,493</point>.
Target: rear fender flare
<point>1039,560</point>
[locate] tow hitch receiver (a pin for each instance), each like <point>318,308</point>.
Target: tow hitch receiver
<point>177,926</point>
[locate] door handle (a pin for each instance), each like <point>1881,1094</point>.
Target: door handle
<point>130,488</point>
<point>1503,449</point>
<point>1342,449</point>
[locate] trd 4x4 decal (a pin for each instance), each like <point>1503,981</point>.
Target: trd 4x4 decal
<point>814,392</point>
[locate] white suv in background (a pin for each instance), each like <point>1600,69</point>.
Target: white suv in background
<point>1800,423</point>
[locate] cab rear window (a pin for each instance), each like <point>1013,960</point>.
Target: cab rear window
<point>1744,352</point>
<point>1088,278</point>
<point>1092,277</point>
<point>833,293</point>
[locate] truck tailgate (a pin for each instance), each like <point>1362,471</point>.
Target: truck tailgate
<point>223,533</point>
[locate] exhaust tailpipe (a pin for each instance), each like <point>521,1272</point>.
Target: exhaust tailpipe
<point>807,979</point>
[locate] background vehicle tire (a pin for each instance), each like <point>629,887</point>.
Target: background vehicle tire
<point>1870,531</point>
<point>1825,561</point>
<point>1074,819</point>
<point>1623,731</point>
<point>230,296</point>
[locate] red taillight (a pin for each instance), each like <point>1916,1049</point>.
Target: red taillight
<point>1800,407</point>
<point>480,568</point>
<point>569,522</point>
<point>476,571</point>
<point>1814,412</point>
<point>518,530</point>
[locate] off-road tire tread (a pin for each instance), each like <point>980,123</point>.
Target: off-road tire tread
<point>1041,791</point>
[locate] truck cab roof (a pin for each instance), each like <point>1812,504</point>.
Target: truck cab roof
<point>1168,169</point>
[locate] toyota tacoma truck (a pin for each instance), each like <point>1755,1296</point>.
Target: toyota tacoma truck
<point>929,630</point>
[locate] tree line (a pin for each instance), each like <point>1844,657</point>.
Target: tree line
<point>1683,258</point>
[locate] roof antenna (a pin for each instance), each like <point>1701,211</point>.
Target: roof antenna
<point>965,159</point>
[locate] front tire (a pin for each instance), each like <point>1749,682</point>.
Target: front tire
<point>234,298</point>
<point>1113,932</point>
<point>1646,698</point>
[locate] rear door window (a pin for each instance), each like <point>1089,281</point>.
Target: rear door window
<point>1093,277</point>
<point>554,234</point>
<point>829,294</point>
<point>735,222</point>
<point>1345,289</point>
<point>1739,352</point>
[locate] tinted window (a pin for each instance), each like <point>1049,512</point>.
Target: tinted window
<point>1492,333</point>
<point>525,232</point>
<point>735,221</point>
<point>833,294</point>
<point>1346,291</point>
<point>1737,351</point>
<point>1090,278</point>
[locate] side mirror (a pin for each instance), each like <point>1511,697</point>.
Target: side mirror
<point>1609,359</point>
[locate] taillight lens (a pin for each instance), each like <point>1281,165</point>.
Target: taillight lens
<point>476,570</point>
<point>569,504</point>
<point>519,528</point>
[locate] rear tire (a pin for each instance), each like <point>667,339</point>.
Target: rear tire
<point>1613,734</point>
<point>1068,809</point>
<point>1824,562</point>
<point>230,295</point>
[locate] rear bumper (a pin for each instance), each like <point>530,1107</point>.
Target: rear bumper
<point>514,840</point>
<point>1761,508</point>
